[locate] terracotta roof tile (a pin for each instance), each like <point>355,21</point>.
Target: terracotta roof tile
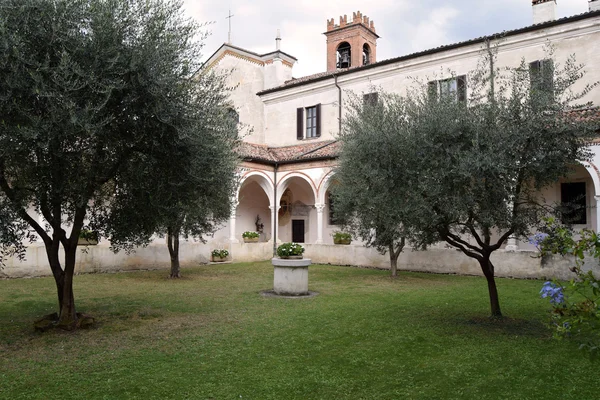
<point>300,152</point>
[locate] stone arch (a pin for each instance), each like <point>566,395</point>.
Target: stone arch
<point>324,186</point>
<point>263,180</point>
<point>284,183</point>
<point>594,172</point>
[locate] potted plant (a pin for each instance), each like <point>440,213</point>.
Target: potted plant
<point>87,237</point>
<point>250,237</point>
<point>290,250</point>
<point>341,237</point>
<point>219,255</point>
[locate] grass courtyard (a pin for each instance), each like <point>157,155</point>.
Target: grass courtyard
<point>211,335</point>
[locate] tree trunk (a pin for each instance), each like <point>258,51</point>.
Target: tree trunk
<point>393,261</point>
<point>488,271</point>
<point>173,245</point>
<point>67,316</point>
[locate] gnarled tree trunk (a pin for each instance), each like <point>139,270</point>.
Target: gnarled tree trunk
<point>488,271</point>
<point>173,245</point>
<point>395,251</point>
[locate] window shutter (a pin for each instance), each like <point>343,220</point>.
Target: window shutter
<point>461,86</point>
<point>534,70</point>
<point>300,123</point>
<point>432,90</point>
<point>319,120</point>
<point>370,99</point>
<point>547,74</point>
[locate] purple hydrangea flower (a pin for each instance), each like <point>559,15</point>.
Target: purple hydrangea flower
<point>554,292</point>
<point>537,239</point>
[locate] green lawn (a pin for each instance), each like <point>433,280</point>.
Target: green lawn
<point>212,335</point>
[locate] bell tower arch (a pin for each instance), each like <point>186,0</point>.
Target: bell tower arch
<point>351,44</point>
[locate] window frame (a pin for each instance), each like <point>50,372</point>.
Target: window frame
<point>308,122</point>
<point>459,93</point>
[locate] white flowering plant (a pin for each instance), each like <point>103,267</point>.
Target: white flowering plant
<point>290,249</point>
<point>220,253</point>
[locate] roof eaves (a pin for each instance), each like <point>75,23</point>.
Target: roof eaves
<point>300,82</point>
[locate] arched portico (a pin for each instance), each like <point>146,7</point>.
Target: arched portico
<point>252,207</point>
<point>296,217</point>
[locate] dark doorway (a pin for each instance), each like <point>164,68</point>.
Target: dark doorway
<point>298,230</point>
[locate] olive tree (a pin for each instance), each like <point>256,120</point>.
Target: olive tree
<point>98,99</point>
<point>472,168</point>
<point>376,146</point>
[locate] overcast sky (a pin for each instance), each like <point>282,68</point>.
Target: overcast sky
<point>405,26</point>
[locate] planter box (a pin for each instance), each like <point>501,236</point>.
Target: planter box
<point>251,240</point>
<point>291,257</point>
<point>342,241</point>
<point>87,242</point>
<point>290,277</point>
<point>219,259</point>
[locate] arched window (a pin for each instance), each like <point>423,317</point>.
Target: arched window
<point>344,55</point>
<point>366,54</point>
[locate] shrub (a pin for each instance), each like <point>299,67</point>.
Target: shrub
<point>575,304</point>
<point>290,249</point>
<point>250,235</point>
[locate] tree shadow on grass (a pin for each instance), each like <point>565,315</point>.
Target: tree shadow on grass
<point>505,326</point>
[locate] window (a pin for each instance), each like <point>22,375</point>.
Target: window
<point>234,115</point>
<point>344,55</point>
<point>366,54</point>
<point>541,75</point>
<point>454,87</point>
<point>370,98</point>
<point>311,122</point>
<point>573,203</point>
<point>308,122</point>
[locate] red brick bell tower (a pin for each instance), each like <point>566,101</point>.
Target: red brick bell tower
<point>351,44</point>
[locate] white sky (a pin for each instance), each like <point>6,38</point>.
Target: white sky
<point>405,26</point>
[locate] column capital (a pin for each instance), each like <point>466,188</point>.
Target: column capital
<point>597,197</point>
<point>320,207</point>
<point>274,208</point>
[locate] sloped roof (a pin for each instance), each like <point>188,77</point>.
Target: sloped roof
<point>326,75</point>
<point>289,154</point>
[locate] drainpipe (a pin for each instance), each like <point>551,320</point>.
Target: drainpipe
<point>275,213</point>
<point>339,105</point>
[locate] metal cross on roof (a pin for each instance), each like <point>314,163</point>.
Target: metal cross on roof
<point>229,35</point>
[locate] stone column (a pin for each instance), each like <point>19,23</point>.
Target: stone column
<point>320,208</point>
<point>597,213</point>
<point>232,238</point>
<point>274,222</point>
<point>511,244</point>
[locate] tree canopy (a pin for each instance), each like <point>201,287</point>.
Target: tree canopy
<point>469,171</point>
<point>106,111</point>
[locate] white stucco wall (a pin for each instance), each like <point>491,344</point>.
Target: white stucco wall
<point>580,38</point>
<point>247,78</point>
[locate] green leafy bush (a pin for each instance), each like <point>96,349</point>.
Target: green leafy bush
<point>575,304</point>
<point>290,249</point>
<point>250,235</point>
